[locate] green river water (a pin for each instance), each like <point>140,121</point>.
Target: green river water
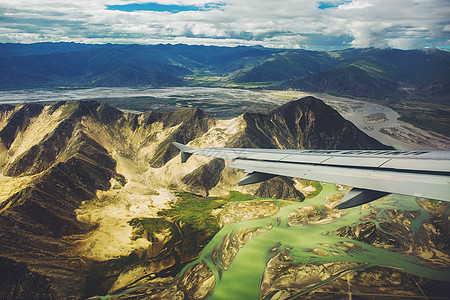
<point>242,279</point>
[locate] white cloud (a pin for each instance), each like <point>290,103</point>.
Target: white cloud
<point>283,23</point>
<point>356,4</point>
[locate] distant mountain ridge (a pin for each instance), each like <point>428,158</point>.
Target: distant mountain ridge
<point>384,73</point>
<point>376,73</point>
<point>79,65</point>
<point>91,67</point>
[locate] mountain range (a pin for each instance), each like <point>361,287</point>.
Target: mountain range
<point>62,162</point>
<point>373,73</point>
<point>95,201</point>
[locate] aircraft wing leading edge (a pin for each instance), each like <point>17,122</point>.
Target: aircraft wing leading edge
<point>372,173</point>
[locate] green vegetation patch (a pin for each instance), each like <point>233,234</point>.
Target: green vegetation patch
<point>195,212</point>
<point>150,226</point>
<point>237,196</point>
<point>193,215</point>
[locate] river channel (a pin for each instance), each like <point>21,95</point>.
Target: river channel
<point>242,279</point>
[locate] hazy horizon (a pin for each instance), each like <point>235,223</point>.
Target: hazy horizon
<point>231,46</point>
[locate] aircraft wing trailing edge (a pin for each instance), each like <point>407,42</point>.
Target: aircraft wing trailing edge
<point>372,173</point>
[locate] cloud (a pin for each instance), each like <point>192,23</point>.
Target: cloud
<point>309,24</point>
<point>153,7</point>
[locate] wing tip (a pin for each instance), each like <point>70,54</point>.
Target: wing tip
<point>182,147</point>
<point>186,151</point>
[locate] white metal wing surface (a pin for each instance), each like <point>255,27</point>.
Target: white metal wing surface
<point>372,173</point>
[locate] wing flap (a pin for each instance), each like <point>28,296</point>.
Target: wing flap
<point>307,159</point>
<point>266,156</point>
<point>367,162</point>
<point>418,164</point>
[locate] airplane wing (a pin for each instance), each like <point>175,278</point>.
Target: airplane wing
<point>372,173</point>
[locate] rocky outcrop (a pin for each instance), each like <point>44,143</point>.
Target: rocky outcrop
<point>41,156</point>
<point>204,178</point>
<point>279,188</point>
<point>19,282</point>
<point>313,215</point>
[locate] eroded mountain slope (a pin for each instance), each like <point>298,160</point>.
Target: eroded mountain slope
<point>76,174</point>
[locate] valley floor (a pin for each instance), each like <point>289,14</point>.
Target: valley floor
<point>231,102</point>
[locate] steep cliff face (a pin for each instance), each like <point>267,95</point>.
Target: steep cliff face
<point>279,188</point>
<point>189,124</point>
<point>34,219</point>
<point>69,168</point>
<point>202,179</point>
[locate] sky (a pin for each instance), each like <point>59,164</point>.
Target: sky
<point>304,24</point>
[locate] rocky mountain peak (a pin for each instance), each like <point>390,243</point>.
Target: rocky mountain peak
<point>307,123</point>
